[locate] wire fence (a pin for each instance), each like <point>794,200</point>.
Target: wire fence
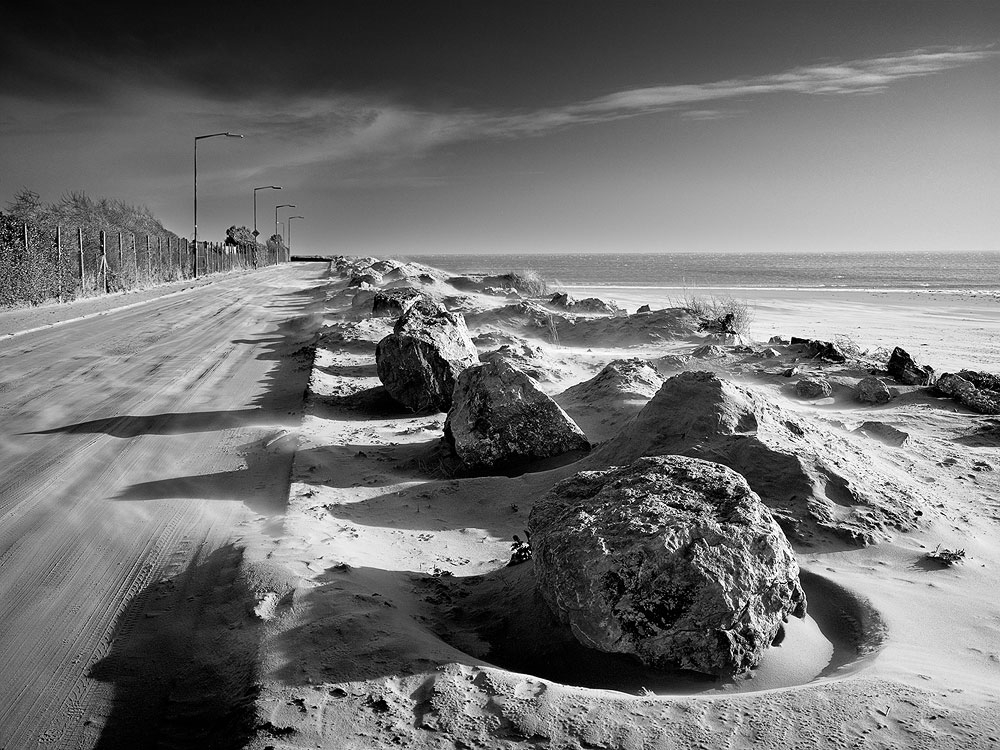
<point>39,264</point>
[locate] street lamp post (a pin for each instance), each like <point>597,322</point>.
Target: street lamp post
<point>290,234</point>
<point>255,232</point>
<point>196,139</point>
<point>263,187</point>
<point>283,205</point>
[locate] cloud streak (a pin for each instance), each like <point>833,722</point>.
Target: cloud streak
<point>367,130</point>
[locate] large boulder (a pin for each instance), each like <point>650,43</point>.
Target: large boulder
<point>419,361</point>
<point>979,391</point>
<point>499,417</point>
<point>903,368</point>
<point>816,482</point>
<point>673,560</point>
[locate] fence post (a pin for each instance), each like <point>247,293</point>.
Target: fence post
<point>103,265</point>
<point>83,272</point>
<point>149,261</point>
<point>59,259</point>
<point>159,257</point>
<point>135,260</point>
<point>121,262</point>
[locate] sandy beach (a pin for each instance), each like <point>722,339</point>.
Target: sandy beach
<point>398,623</point>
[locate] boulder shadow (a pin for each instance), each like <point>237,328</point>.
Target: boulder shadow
<point>183,661</point>
<point>503,612</point>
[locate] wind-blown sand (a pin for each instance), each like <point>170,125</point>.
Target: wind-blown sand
<point>393,616</point>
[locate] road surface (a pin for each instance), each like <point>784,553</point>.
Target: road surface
<point>135,449</point>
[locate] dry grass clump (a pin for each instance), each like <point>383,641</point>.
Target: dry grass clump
<point>946,556</point>
<point>526,281</point>
<point>716,311</point>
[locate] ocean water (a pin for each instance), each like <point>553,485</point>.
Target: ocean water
<point>863,271</point>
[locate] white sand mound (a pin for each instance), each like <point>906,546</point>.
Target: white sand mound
<point>814,480</point>
<point>617,393</point>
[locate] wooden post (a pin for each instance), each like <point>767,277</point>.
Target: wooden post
<point>159,257</point>
<point>83,274</point>
<point>149,261</point>
<point>121,261</point>
<point>104,260</point>
<point>59,259</point>
<point>135,259</point>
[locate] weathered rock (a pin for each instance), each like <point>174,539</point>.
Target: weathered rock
<point>643,309</point>
<point>391,303</point>
<point>979,391</point>
<point>905,370</point>
<point>871,390</point>
<point>779,340</point>
<point>530,359</point>
<point>674,560</point>
<point>813,387</point>
<point>820,349</point>
<point>359,279</point>
<point>530,319</point>
<point>815,481</point>
<point>884,433</point>
<point>419,361</point>
<point>790,372</point>
<point>499,417</point>
<point>563,301</point>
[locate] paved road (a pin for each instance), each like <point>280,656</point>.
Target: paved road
<point>135,448</point>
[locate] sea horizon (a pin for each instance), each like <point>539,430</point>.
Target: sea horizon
<point>844,271</point>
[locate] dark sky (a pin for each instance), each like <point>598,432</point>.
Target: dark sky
<point>522,126</point>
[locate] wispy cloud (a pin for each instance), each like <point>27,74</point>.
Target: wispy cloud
<point>383,128</point>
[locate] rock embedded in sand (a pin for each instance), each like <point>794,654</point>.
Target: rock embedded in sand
<point>708,351</point>
<point>391,303</point>
<point>813,387</point>
<point>979,391</point>
<point>814,481</point>
<point>904,369</point>
<point>674,560</point>
<point>499,417</point>
<point>420,360</point>
<point>871,390</point>
<point>635,378</point>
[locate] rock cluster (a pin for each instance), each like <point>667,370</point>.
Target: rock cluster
<point>499,417</point>
<point>819,349</point>
<point>592,305</point>
<point>420,360</point>
<point>979,391</point>
<point>674,560</point>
